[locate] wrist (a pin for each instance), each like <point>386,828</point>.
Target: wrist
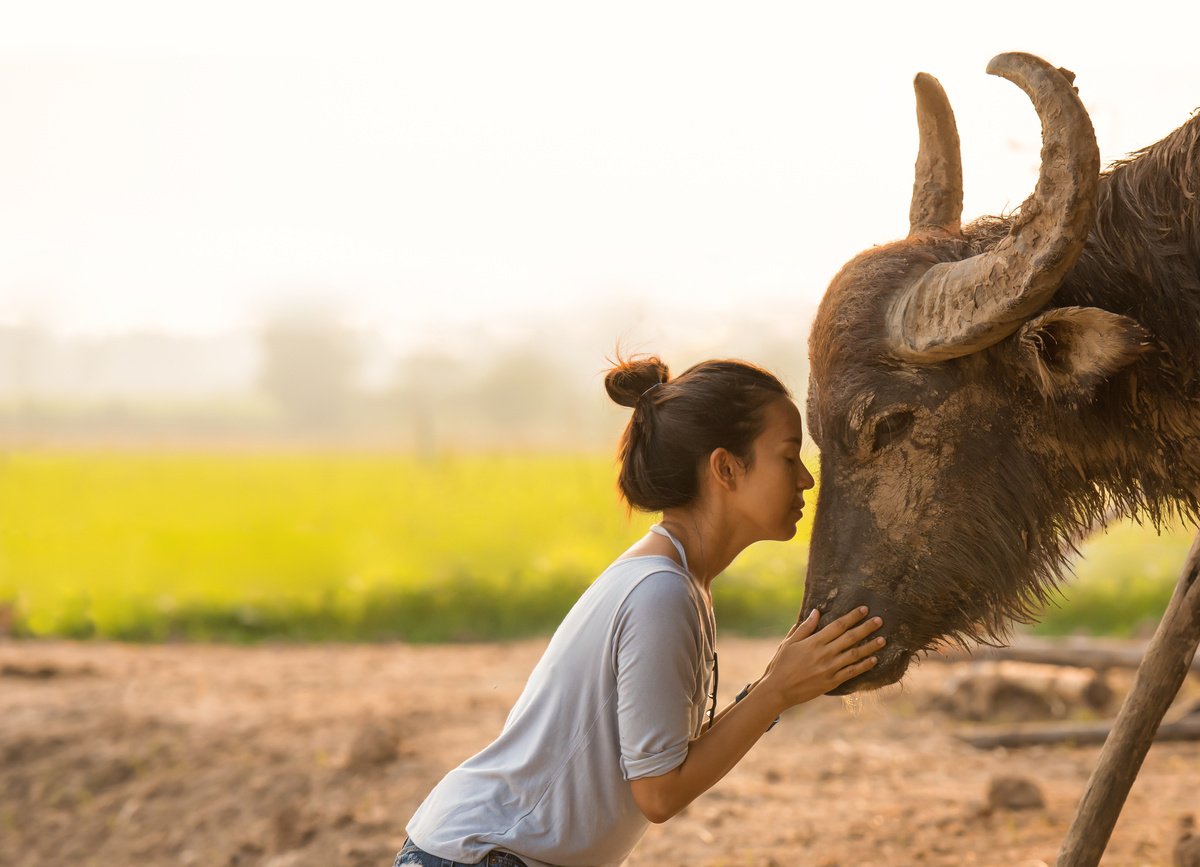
<point>775,704</point>
<point>745,691</point>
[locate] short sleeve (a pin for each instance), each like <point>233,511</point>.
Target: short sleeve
<point>658,655</point>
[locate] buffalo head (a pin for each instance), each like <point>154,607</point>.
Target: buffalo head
<point>950,397</point>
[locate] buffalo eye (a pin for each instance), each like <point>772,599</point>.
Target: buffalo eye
<point>891,428</point>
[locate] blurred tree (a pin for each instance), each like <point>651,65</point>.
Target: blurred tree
<point>427,386</point>
<point>22,346</point>
<point>524,398</point>
<point>309,363</point>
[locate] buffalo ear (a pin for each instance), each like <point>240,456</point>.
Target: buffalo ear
<point>1070,350</point>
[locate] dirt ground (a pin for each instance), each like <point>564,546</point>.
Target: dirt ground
<point>287,756</point>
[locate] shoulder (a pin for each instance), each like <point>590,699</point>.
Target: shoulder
<point>663,586</point>
<point>660,620</point>
<point>646,574</point>
<point>661,598</point>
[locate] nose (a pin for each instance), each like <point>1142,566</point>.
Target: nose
<point>806,480</point>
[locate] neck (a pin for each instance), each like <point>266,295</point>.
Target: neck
<point>710,547</point>
<point>1143,448</point>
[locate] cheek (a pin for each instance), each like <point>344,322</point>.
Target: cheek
<point>785,487</point>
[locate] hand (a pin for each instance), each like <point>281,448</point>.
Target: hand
<point>809,663</point>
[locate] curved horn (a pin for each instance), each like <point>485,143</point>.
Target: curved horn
<point>956,308</point>
<point>938,189</point>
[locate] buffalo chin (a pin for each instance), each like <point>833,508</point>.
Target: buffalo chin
<point>885,673</point>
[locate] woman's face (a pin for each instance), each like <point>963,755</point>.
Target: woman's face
<point>770,495</point>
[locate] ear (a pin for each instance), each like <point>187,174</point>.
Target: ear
<point>724,468</point>
<point>1070,350</point>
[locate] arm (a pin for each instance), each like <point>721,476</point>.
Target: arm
<point>807,664</point>
<point>747,689</point>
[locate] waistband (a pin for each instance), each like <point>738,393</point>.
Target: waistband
<point>495,858</point>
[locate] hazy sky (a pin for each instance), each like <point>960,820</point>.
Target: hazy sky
<point>194,166</point>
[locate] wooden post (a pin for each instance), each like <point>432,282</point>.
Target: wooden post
<point>1154,688</point>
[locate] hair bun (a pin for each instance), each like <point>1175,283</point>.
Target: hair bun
<point>629,378</point>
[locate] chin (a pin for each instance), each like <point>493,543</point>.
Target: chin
<point>889,670</point>
<point>789,529</point>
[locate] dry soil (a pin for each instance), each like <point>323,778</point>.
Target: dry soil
<point>285,756</point>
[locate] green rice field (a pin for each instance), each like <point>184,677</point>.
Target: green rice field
<point>350,546</point>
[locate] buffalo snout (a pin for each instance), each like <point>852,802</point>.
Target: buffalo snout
<point>894,657</point>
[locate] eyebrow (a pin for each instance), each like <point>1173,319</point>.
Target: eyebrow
<point>795,440</point>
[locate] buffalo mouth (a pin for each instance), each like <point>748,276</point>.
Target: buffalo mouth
<point>892,665</point>
<point>898,628</point>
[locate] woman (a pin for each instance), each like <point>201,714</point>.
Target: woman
<point>611,731</point>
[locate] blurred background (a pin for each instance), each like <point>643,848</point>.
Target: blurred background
<point>304,309</point>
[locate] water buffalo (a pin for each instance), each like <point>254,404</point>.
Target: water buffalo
<point>985,395</point>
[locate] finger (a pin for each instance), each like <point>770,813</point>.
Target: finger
<point>843,623</point>
<point>853,654</point>
<point>853,636</point>
<point>855,670</point>
<point>795,626</point>
<point>805,627</point>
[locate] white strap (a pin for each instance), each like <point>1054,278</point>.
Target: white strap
<point>663,531</point>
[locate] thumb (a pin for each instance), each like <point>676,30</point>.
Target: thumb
<point>807,626</point>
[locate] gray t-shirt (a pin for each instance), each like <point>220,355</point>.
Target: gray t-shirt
<point>618,694</point>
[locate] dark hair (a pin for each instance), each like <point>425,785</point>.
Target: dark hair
<point>677,423</point>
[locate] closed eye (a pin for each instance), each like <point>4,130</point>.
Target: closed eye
<point>890,428</point>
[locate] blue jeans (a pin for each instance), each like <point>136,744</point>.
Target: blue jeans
<point>411,856</point>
